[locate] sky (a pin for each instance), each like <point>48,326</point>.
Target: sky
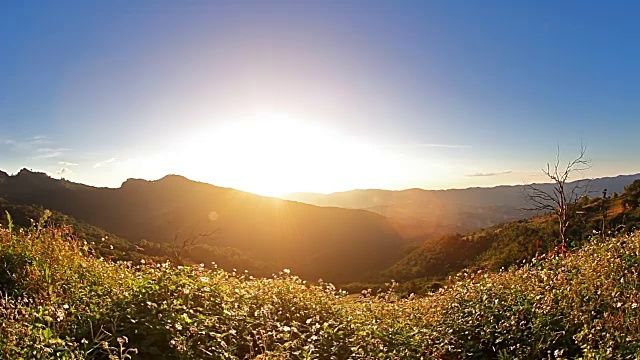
<point>321,96</point>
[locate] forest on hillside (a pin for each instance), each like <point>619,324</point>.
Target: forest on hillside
<point>418,268</point>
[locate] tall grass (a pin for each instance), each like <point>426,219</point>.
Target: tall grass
<point>60,301</point>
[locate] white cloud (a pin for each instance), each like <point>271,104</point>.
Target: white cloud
<point>26,143</point>
<point>48,153</point>
<point>63,171</point>
<point>451,146</point>
<point>65,163</point>
<point>481,174</point>
<point>102,163</point>
<point>428,145</point>
<point>48,150</point>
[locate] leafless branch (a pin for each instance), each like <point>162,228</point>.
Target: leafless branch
<point>182,246</point>
<point>562,196</point>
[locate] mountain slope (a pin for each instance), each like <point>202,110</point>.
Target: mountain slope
<point>335,244</point>
<point>421,214</point>
<point>512,243</point>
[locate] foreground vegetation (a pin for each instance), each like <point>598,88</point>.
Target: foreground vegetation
<point>60,301</point>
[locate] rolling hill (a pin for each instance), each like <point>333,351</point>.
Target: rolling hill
<point>339,245</point>
<point>504,245</point>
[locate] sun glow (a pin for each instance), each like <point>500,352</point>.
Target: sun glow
<point>269,154</point>
<point>272,154</point>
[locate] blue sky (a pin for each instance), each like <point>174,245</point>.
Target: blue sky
<point>403,94</point>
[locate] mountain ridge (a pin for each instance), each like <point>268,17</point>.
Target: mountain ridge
<point>627,178</point>
<point>339,245</point>
<point>465,188</point>
<point>424,214</point>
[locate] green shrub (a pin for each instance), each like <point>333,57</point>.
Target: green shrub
<point>60,301</point>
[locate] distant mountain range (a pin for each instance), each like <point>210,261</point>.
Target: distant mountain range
<point>339,245</point>
<point>423,214</point>
<point>343,237</point>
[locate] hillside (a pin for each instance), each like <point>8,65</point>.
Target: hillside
<point>60,302</point>
<point>354,248</point>
<point>339,245</point>
<point>421,214</point>
<point>510,243</point>
<point>104,243</point>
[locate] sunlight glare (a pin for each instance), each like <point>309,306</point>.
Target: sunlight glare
<point>272,154</point>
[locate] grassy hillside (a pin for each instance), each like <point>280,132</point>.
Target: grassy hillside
<point>427,265</point>
<point>103,243</point>
<point>112,247</point>
<point>59,301</point>
<point>339,245</point>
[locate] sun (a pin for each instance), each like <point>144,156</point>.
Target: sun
<point>273,154</point>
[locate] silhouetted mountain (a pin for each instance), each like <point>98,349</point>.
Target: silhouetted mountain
<point>335,244</point>
<point>420,214</point>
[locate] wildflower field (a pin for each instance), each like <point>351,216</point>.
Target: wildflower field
<point>60,302</point>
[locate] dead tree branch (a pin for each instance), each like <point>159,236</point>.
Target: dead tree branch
<point>562,197</point>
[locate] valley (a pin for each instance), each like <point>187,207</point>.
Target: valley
<point>177,219</point>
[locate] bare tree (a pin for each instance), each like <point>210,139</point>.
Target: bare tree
<point>562,197</point>
<point>181,246</point>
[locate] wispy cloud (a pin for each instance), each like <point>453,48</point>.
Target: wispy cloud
<point>102,163</point>
<point>481,174</point>
<point>37,147</point>
<point>451,146</point>
<point>26,143</point>
<point>428,145</point>
<point>49,150</point>
<point>65,163</point>
<point>48,153</point>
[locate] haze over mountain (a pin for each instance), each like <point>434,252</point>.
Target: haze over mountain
<point>419,213</point>
<point>413,235</point>
<point>336,244</point>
